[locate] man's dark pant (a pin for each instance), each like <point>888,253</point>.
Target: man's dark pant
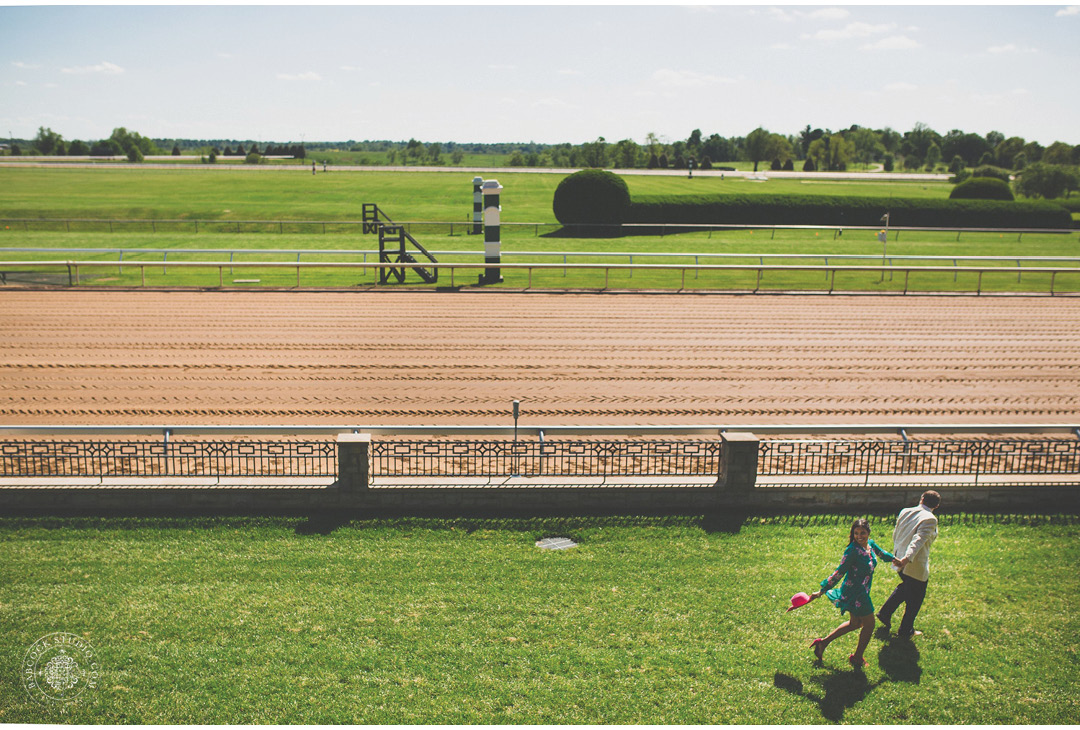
<point>910,591</point>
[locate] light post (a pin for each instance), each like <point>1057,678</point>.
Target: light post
<point>517,412</point>
<point>884,238</point>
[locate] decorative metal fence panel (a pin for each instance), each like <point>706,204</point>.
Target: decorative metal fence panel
<point>179,459</point>
<point>918,457</point>
<point>548,458</point>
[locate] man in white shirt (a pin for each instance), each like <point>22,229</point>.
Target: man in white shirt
<point>916,529</point>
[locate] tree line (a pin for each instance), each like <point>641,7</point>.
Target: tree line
<point>812,149</point>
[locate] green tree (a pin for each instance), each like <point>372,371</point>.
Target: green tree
<point>757,146</point>
<point>933,156</point>
<point>415,149</point>
<point>176,150</point>
<point>693,145</point>
<point>434,152</point>
<point>831,153</point>
<point>890,140</point>
<point>778,147</point>
<point>47,141</point>
<point>78,148</point>
<point>868,146</point>
<point>1007,150</point>
<point>1058,153</point>
<point>1040,180</point>
<point>970,147</point>
<point>626,154</point>
<point>135,154</point>
<point>594,154</point>
<point>1033,152</point>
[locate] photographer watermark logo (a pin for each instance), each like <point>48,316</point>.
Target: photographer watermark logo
<point>59,668</point>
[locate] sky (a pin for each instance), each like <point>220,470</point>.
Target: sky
<point>552,73</point>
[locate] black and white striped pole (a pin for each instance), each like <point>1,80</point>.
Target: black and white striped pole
<point>492,242</point>
<point>477,206</point>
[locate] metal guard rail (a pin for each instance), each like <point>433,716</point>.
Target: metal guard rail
<point>468,225</point>
<point>830,271</point>
<point>537,458</point>
<point>630,255</point>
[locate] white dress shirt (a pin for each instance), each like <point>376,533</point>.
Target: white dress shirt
<point>916,529</point>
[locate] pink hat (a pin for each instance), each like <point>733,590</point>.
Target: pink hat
<point>799,599</point>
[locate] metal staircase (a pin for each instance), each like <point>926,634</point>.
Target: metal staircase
<point>392,250</point>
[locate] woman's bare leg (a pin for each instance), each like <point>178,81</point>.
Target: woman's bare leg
<point>866,623</point>
<point>840,630</point>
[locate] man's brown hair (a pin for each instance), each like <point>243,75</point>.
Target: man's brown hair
<point>931,498</point>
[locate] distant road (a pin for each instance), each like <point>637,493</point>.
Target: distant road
<point>764,175</point>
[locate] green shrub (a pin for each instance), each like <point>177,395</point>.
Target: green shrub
<point>765,210</point>
<point>591,196</point>
<point>982,188</point>
<point>252,158</point>
<point>991,171</point>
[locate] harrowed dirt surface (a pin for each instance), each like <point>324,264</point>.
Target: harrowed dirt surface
<point>363,358</point>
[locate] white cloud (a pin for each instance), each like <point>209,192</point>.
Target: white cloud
<point>20,83</point>
<point>102,68</point>
<point>227,56</point>
<point>1070,10</point>
<point>308,76</point>
<point>900,86</point>
<point>827,14</point>
<point>1010,48</point>
<point>570,72</point>
<point>853,30</point>
<point>350,68</point>
<point>671,77</point>
<point>27,66</point>
<point>893,43</point>
<point>502,66</point>
<point>782,47</point>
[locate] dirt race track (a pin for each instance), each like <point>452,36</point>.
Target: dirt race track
<point>460,358</point>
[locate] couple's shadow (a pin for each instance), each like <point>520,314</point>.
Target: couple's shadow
<point>835,691</point>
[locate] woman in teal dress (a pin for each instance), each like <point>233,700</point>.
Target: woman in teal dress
<point>853,596</point>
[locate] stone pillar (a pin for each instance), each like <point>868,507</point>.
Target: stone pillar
<point>492,242</point>
<point>477,206</point>
<point>738,462</point>
<point>353,452</point>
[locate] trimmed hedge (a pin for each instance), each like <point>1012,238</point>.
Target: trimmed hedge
<point>591,196</point>
<point>766,210</point>
<point>982,188</point>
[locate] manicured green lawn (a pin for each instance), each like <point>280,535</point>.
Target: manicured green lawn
<point>424,196</point>
<point>291,195</point>
<point>426,621</point>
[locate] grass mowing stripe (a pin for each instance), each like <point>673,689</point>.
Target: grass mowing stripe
<point>647,620</point>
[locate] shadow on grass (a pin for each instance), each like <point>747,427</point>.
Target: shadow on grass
<point>838,690</point>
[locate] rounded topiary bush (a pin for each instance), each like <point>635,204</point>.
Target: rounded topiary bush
<point>591,196</point>
<point>991,171</point>
<point>982,188</point>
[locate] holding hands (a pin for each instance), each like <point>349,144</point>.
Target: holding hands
<point>900,563</point>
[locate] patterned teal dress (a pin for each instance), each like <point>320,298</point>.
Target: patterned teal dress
<point>857,569</point>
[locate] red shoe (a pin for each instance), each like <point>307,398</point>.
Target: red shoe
<point>856,663</point>
<point>819,648</point>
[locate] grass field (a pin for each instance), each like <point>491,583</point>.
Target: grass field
<point>283,196</point>
<point>425,621</point>
<point>290,195</point>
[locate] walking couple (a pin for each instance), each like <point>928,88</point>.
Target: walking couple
<point>916,529</point>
